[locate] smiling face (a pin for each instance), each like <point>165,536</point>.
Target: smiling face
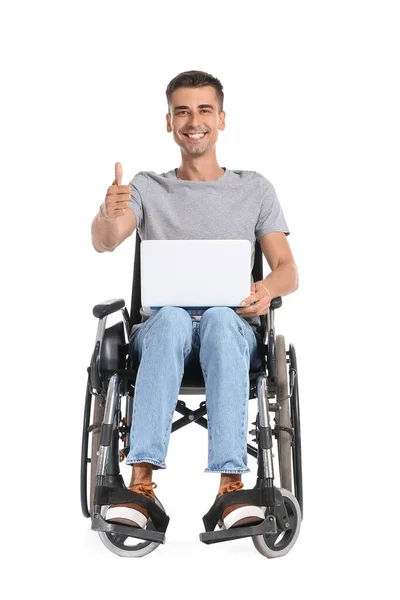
<point>195,111</point>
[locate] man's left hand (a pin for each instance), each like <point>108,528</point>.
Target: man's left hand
<point>260,299</point>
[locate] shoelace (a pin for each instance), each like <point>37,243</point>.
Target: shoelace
<point>144,488</point>
<point>233,486</point>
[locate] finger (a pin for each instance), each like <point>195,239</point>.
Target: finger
<point>260,307</point>
<point>119,198</point>
<point>119,189</point>
<point>117,212</point>
<point>246,310</point>
<point>250,299</point>
<point>118,174</point>
<point>256,295</point>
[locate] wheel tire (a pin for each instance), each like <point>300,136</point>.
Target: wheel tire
<point>84,450</point>
<point>284,438</point>
<point>116,543</point>
<point>296,448</point>
<point>98,414</point>
<point>274,546</point>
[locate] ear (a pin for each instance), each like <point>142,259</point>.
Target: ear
<point>221,125</point>
<point>169,128</point>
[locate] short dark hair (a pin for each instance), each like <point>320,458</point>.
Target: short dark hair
<point>196,79</point>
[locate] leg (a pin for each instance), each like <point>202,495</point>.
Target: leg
<point>228,348</point>
<point>141,473</point>
<point>161,348</point>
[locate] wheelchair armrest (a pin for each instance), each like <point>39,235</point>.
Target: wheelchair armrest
<point>276,302</point>
<point>108,307</point>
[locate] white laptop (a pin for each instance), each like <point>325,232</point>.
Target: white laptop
<point>195,273</point>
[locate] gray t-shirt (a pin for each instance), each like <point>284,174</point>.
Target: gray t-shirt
<point>240,205</point>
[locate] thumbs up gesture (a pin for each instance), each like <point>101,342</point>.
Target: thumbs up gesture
<point>117,197</point>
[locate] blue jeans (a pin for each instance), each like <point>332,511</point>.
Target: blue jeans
<point>161,348</point>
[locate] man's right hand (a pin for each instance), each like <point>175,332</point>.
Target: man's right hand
<point>117,197</point>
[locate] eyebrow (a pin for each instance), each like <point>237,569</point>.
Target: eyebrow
<point>199,106</point>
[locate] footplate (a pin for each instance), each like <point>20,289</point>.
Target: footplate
<point>266,527</point>
<point>100,524</point>
<point>158,519</point>
<point>264,497</point>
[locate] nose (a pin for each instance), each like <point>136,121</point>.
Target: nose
<point>193,121</point>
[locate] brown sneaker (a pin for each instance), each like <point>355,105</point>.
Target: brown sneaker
<point>237,515</point>
<point>132,514</point>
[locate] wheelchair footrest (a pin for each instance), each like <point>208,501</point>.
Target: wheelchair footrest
<point>268,526</point>
<point>105,495</point>
<point>267,497</point>
<point>100,524</point>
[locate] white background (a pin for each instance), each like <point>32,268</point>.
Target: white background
<point>311,100</point>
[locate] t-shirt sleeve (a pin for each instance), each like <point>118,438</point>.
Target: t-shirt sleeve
<point>271,217</point>
<point>138,185</point>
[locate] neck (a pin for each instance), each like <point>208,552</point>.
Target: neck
<point>199,169</point>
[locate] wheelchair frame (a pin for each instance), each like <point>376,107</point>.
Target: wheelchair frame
<point>111,375</point>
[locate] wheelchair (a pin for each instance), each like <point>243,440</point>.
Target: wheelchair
<point>107,421</point>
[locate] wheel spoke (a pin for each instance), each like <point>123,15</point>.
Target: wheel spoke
<point>271,538</point>
<point>292,522</point>
<point>119,538</point>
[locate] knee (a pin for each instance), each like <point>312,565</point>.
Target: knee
<point>174,313</point>
<point>219,317</point>
<point>173,318</point>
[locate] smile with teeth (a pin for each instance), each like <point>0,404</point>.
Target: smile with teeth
<point>195,136</point>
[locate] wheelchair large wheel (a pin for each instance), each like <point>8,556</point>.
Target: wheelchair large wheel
<point>295,412</point>
<point>284,437</point>
<point>88,482</point>
<point>84,449</point>
<point>127,546</point>
<point>98,414</point>
<point>279,544</point>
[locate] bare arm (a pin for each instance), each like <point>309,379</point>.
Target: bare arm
<point>108,234</point>
<point>282,280</point>
<point>284,277</point>
<point>115,221</point>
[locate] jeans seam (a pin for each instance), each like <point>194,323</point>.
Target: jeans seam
<point>247,351</point>
<point>208,414</point>
<point>233,471</point>
<point>152,461</point>
<point>167,428</point>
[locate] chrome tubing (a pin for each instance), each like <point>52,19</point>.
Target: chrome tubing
<point>109,413</point>
<point>264,422</point>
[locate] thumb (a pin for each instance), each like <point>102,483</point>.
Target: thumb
<point>118,174</point>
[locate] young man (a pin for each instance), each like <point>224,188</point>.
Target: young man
<point>197,200</point>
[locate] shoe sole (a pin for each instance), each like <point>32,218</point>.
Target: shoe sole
<point>246,515</point>
<point>126,516</point>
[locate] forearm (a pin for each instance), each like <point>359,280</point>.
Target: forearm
<point>283,280</point>
<point>105,234</point>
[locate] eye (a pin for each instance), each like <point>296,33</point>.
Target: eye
<point>180,112</point>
